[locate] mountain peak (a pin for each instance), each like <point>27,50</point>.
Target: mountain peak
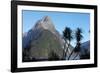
<point>46,18</point>
<point>45,23</point>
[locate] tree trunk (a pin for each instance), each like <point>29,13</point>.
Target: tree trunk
<point>67,50</point>
<point>70,54</point>
<point>64,50</point>
<point>76,56</point>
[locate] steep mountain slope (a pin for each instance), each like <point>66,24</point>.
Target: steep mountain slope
<point>43,24</point>
<point>43,38</point>
<point>41,47</point>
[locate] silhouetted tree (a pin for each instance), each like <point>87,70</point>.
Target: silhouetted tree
<point>78,36</point>
<point>67,35</point>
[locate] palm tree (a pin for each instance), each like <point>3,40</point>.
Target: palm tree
<point>67,35</point>
<point>78,36</point>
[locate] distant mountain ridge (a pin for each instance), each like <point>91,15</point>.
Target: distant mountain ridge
<point>86,46</point>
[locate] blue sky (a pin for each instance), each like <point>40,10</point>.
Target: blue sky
<point>60,21</point>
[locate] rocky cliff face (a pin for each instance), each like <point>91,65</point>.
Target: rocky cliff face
<point>43,38</point>
<point>45,23</point>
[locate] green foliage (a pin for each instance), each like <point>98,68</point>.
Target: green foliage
<point>53,56</point>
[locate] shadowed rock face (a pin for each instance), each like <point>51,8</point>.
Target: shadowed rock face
<point>85,50</point>
<point>43,38</point>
